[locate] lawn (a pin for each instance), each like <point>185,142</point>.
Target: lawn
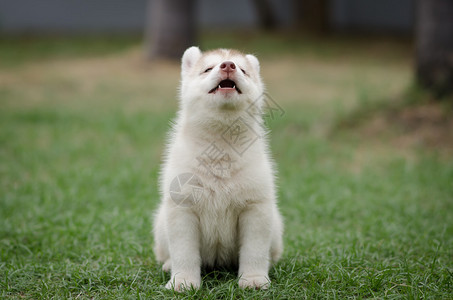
<point>365,170</point>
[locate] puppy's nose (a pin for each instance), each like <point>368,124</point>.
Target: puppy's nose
<point>228,66</point>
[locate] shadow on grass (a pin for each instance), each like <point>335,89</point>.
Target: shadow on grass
<point>413,119</point>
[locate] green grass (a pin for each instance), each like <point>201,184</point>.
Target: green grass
<point>16,51</point>
<point>81,138</point>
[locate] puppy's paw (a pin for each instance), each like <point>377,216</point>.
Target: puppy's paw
<point>166,267</point>
<point>254,282</point>
<point>181,282</point>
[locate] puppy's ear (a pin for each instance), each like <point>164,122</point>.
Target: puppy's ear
<point>254,62</point>
<point>189,58</point>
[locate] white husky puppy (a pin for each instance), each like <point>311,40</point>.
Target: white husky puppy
<point>217,183</point>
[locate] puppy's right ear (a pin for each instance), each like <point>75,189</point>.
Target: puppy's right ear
<point>189,58</point>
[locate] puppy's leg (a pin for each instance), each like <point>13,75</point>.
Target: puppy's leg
<point>160,239</point>
<point>277,236</point>
<point>166,267</point>
<point>184,239</point>
<point>255,233</point>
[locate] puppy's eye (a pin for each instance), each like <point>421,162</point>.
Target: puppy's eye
<point>207,70</point>
<point>243,72</point>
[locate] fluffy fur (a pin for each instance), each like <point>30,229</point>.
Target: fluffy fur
<point>235,220</point>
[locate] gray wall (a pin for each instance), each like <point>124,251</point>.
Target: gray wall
<point>86,16</point>
<point>373,15</point>
<point>71,15</point>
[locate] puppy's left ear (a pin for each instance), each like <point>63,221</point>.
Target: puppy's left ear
<point>189,58</point>
<point>254,62</point>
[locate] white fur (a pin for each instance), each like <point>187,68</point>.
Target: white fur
<point>236,220</point>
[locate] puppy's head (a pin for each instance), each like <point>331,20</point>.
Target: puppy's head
<point>219,80</point>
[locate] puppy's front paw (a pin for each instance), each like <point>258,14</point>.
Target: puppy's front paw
<point>181,282</point>
<point>166,267</point>
<point>254,282</point>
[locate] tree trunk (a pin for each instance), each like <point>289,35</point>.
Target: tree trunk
<point>170,28</point>
<point>313,15</point>
<point>266,17</point>
<point>434,35</point>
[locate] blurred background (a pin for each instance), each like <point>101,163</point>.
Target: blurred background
<point>103,16</point>
<point>407,45</point>
<point>169,27</point>
<point>363,148</point>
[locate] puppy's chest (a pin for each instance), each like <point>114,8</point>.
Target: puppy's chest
<point>226,177</point>
<point>219,233</point>
<point>219,161</point>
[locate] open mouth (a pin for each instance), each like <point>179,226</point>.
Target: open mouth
<point>226,85</point>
